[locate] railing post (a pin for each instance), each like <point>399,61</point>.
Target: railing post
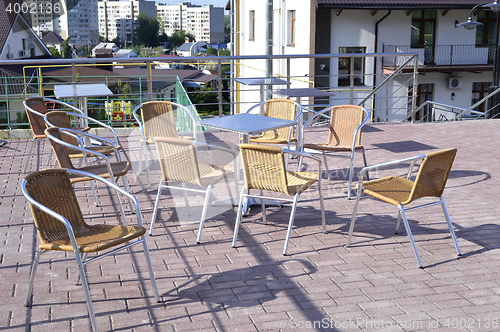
<point>351,81</point>
<point>219,83</point>
<point>451,55</point>
<point>415,87</point>
<point>150,82</point>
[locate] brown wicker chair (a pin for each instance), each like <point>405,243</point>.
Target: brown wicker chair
<point>346,123</point>
<point>179,162</point>
<point>36,108</point>
<point>105,170</point>
<point>282,109</point>
<point>158,119</point>
<point>429,182</point>
<point>61,119</point>
<point>60,226</point>
<point>264,169</point>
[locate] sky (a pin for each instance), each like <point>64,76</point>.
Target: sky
<point>216,3</point>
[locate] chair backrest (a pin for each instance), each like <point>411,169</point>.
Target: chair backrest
<point>61,151</point>
<point>433,174</point>
<point>52,188</point>
<point>158,120</point>
<point>282,109</point>
<point>37,122</point>
<point>178,160</point>
<point>264,167</point>
<point>60,119</point>
<point>344,121</point>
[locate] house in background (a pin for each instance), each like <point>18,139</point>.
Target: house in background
<point>108,47</point>
<point>52,39</point>
<point>192,48</point>
<point>454,64</point>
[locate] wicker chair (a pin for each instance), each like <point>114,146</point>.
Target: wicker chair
<point>264,169</point>
<point>60,226</point>
<point>282,109</point>
<point>158,119</point>
<point>346,123</point>
<point>36,108</point>
<point>179,162</point>
<point>61,119</point>
<point>105,170</point>
<point>429,182</point>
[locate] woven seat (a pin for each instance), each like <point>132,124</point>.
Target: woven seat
<point>179,162</point>
<point>60,226</point>
<point>430,181</point>
<point>282,109</point>
<point>108,170</point>
<point>158,119</point>
<point>61,119</point>
<point>264,168</point>
<point>346,123</point>
<point>36,108</point>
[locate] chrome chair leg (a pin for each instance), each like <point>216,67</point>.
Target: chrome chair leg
<point>34,266</point>
<point>150,269</point>
<point>155,210</point>
<point>450,226</point>
<point>238,216</point>
<point>28,157</point>
<point>290,222</point>
<point>203,213</point>
<point>410,236</point>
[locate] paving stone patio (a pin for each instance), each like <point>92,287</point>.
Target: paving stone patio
<point>374,285</point>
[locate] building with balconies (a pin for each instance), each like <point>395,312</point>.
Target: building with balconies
<point>454,65</point>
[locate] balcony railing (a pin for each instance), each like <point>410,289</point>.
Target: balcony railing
<point>442,55</point>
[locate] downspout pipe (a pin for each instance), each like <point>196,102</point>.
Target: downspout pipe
<point>376,50</point>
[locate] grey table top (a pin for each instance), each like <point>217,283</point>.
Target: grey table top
<point>302,92</point>
<point>246,123</point>
<point>82,90</point>
<point>262,81</point>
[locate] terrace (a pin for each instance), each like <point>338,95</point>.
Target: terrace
<point>375,284</point>
<point>322,285</point>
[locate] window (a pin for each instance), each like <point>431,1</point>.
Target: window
<point>479,91</point>
<point>485,34</point>
<point>351,66</point>
<point>423,24</point>
<point>291,28</point>
<point>251,21</point>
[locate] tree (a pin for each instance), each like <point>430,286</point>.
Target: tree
<point>211,50</point>
<point>54,51</point>
<point>66,51</point>
<point>179,38</point>
<point>147,31</point>
<point>227,28</point>
<point>117,42</point>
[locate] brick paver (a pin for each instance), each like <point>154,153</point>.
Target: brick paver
<point>374,285</point>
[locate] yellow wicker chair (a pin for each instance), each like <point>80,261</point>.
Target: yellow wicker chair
<point>429,182</point>
<point>346,123</point>
<point>282,109</point>
<point>158,119</point>
<point>108,169</point>
<point>61,226</point>
<point>61,119</point>
<point>36,108</point>
<point>264,169</point>
<point>179,162</point>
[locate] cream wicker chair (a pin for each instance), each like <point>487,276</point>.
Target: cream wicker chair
<point>60,226</point>
<point>346,123</point>
<point>158,119</point>
<point>429,182</point>
<point>264,169</point>
<point>179,162</point>
<point>282,109</point>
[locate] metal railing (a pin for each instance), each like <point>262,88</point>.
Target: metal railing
<point>442,55</point>
<point>388,98</point>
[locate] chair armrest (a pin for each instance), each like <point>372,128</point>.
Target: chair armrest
<point>410,160</point>
<point>306,155</point>
<point>65,105</point>
<point>78,134</point>
<point>88,118</point>
<point>113,186</point>
<point>255,106</point>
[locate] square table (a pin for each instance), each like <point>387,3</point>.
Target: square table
<point>247,124</point>
<point>262,81</point>
<point>82,91</point>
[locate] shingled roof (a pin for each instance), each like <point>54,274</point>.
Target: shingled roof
<point>399,4</point>
<point>7,19</point>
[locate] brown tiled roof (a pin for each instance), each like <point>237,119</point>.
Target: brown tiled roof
<point>6,19</point>
<point>13,85</point>
<point>395,4</point>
